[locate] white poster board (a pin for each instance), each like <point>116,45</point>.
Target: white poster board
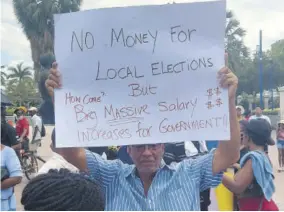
<point>140,75</point>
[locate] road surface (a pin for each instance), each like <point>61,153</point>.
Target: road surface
<point>45,153</point>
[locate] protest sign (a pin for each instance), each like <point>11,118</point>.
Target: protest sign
<point>139,75</point>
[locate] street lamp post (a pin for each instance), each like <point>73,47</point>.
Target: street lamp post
<point>260,69</point>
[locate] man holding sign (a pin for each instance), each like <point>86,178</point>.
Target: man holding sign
<point>150,184</point>
<point>141,81</point>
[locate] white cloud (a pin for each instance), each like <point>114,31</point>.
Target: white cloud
<point>253,15</point>
<point>13,40</point>
<point>260,14</point>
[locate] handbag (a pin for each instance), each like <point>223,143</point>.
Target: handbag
<point>4,173</point>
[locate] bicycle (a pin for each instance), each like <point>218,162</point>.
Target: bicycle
<point>29,161</point>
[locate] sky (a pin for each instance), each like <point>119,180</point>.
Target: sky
<point>252,14</point>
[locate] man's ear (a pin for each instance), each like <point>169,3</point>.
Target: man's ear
<point>128,149</point>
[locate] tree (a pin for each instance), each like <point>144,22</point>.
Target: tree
<point>234,44</point>
<point>273,70</point>
<point>277,57</point>
<point>3,76</point>
<point>21,91</point>
<point>36,19</point>
<point>19,73</point>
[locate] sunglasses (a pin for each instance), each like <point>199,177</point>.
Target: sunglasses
<point>143,147</point>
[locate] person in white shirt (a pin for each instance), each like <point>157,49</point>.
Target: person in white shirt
<point>193,148</point>
<point>57,161</point>
<point>37,128</point>
<point>259,115</point>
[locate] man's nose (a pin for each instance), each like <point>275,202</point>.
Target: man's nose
<point>147,151</point>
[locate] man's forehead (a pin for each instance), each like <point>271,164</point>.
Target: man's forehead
<point>144,144</point>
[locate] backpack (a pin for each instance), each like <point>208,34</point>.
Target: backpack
<point>43,132</point>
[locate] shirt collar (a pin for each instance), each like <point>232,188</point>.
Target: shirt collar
<point>130,170</point>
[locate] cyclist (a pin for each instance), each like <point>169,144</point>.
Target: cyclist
<point>22,125</point>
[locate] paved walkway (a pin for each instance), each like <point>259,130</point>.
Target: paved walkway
<point>45,153</point>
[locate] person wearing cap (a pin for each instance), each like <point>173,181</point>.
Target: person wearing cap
<point>280,145</point>
<point>22,125</point>
<point>37,128</point>
<point>259,115</point>
<point>240,111</point>
<point>253,183</point>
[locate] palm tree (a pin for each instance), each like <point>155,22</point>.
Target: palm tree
<point>19,73</point>
<point>234,42</point>
<point>36,18</point>
<point>3,76</point>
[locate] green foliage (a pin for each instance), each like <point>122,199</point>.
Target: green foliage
<point>271,112</point>
<point>273,70</point>
<point>20,92</point>
<point>36,19</point>
<point>3,77</point>
<point>246,67</point>
<point>20,73</point>
<point>234,44</point>
<point>10,111</point>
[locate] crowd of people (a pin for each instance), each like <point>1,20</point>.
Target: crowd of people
<point>173,176</point>
<point>14,141</point>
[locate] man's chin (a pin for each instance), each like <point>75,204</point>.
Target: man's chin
<point>147,169</point>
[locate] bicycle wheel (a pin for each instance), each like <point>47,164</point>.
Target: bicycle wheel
<point>30,166</point>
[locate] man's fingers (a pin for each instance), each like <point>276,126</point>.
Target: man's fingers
<point>225,83</point>
<point>228,79</point>
<point>55,72</point>
<point>51,83</point>
<point>49,88</point>
<point>56,79</point>
<point>222,71</point>
<point>54,65</point>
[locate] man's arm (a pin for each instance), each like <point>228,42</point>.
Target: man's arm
<point>75,156</point>
<point>228,152</point>
<point>35,127</point>
<point>200,170</point>
<point>103,171</point>
<point>35,132</point>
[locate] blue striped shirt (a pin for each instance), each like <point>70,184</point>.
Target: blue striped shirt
<point>173,188</point>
